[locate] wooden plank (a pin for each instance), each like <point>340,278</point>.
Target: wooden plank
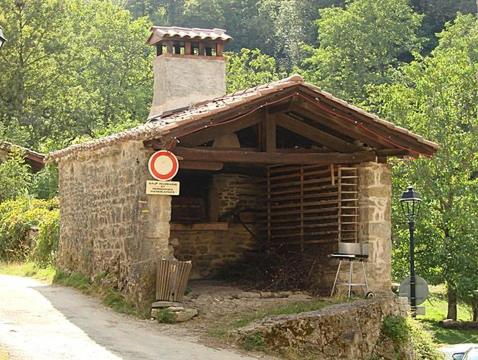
<point>247,157</point>
<point>302,208</point>
<point>207,134</point>
<point>335,123</point>
<point>269,134</point>
<point>200,165</point>
<point>316,135</point>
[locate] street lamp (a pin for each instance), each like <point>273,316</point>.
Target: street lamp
<point>2,38</point>
<point>410,203</point>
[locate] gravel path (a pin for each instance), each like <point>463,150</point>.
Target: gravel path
<point>39,321</point>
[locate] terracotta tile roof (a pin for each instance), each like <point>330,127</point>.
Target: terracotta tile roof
<point>7,146</point>
<point>31,155</point>
<point>159,33</point>
<point>201,115</point>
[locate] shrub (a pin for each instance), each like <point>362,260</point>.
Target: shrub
<point>423,342</point>
<point>407,331</point>
<point>253,341</point>
<point>17,218</point>
<point>396,328</point>
<point>15,176</point>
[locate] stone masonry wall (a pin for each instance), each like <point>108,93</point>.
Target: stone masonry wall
<point>108,224</point>
<point>210,246</point>
<point>231,191</point>
<point>375,193</point>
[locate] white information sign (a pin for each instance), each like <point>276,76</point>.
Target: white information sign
<point>162,187</point>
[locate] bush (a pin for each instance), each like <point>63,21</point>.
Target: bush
<point>396,328</point>
<point>18,218</point>
<point>408,333</point>
<point>15,177</point>
<point>253,341</point>
<point>423,342</point>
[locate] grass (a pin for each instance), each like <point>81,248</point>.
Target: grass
<point>436,310</point>
<point>108,296</point>
<point>29,269</point>
<point>288,309</point>
<point>4,354</point>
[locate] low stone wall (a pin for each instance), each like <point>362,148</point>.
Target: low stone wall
<point>210,246</point>
<point>343,331</point>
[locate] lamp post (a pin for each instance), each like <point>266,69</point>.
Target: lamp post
<point>410,203</point>
<point>2,38</point>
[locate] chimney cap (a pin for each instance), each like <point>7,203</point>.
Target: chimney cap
<point>159,33</point>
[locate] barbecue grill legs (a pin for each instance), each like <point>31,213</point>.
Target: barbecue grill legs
<point>336,277</point>
<point>349,283</point>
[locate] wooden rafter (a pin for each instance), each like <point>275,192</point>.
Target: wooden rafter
<point>312,133</point>
<point>210,133</point>
<point>384,134</point>
<point>308,111</point>
<point>249,157</point>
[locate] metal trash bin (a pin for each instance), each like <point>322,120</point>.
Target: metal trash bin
<point>171,279</point>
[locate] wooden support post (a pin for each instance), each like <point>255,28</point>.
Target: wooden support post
<point>269,133</point>
<point>219,48</point>
<point>187,48</point>
<point>269,210</point>
<point>302,208</point>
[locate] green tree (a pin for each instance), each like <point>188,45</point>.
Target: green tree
<point>437,98</point>
<point>360,44</point>
<point>249,68</point>
<point>15,177</point>
<point>72,67</point>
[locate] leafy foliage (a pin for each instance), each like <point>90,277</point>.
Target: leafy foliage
<point>360,44</point>
<point>53,80</point>
<point>396,328</point>
<point>249,68</point>
<point>437,97</point>
<point>15,176</point>
<point>17,218</point>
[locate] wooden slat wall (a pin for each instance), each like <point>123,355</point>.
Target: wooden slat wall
<point>309,204</point>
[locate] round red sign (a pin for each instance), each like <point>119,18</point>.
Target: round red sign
<point>163,165</point>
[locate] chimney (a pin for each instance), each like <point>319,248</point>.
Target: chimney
<point>189,66</point>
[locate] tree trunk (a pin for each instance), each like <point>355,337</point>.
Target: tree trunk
<point>452,303</point>
<point>474,309</point>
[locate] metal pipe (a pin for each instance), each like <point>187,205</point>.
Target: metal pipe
<point>413,299</point>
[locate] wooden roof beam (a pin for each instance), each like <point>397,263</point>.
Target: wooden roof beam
<point>228,127</point>
<point>247,157</point>
<point>310,112</point>
<point>388,137</point>
<point>316,135</point>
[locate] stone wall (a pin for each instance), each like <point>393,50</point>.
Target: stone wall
<point>343,331</point>
<point>210,247</point>
<point>375,194</point>
<point>231,191</point>
<point>108,224</point>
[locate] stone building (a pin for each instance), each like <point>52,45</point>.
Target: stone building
<point>281,165</point>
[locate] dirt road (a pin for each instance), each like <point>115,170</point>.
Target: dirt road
<point>39,321</point>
